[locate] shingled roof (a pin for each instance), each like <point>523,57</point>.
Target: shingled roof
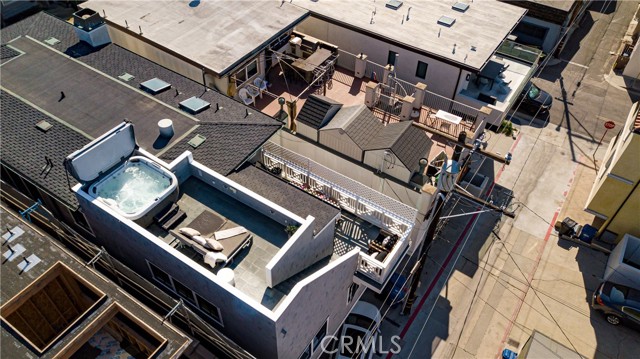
<point>24,147</point>
<point>317,111</point>
<point>240,134</point>
<point>285,195</point>
<point>224,145</point>
<point>358,122</point>
<point>406,141</point>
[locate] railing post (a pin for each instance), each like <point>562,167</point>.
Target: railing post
<point>385,75</point>
<point>407,108</point>
<point>419,95</point>
<point>361,65</point>
<point>370,94</point>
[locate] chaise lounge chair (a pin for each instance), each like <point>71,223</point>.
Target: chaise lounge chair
<point>233,238</point>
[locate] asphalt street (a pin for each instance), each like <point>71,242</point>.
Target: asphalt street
<point>583,98</point>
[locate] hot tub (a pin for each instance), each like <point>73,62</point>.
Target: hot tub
<point>138,189</point>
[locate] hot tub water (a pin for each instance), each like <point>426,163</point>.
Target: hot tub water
<point>135,187</point>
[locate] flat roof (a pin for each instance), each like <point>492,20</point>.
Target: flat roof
<point>484,25</point>
<point>85,99</point>
<point>564,5</point>
<point>215,34</point>
<point>16,277</point>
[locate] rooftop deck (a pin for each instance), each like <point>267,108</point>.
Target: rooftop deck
<point>349,90</point>
<point>268,238</point>
<point>249,265</point>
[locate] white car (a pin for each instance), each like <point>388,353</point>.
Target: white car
<point>358,338</point>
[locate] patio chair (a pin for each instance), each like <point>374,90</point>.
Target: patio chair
<point>246,97</point>
<point>260,84</point>
<point>253,92</point>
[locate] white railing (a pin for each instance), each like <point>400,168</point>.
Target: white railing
<point>328,190</point>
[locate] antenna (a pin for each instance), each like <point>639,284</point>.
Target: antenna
<point>408,11</point>
<point>454,49</point>
<point>126,24</point>
<point>439,32</point>
<point>140,28</point>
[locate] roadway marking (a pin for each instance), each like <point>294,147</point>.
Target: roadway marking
<point>575,64</point>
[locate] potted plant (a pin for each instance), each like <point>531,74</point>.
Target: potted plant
<point>291,229</point>
<point>506,127</point>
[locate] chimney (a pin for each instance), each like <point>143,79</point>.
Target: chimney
<point>90,27</point>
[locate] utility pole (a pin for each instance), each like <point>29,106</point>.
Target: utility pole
<point>435,210</point>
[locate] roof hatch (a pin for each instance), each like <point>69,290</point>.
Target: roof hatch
<point>103,153</point>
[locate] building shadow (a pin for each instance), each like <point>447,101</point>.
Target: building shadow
<point>552,73</point>
<point>604,6</point>
<point>81,49</point>
<point>436,329</point>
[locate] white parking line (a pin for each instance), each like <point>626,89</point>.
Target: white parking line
<point>575,63</point>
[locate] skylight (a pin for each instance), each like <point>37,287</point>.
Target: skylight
<point>460,6</point>
<point>446,21</point>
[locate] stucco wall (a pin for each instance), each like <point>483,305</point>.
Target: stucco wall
<point>393,166</point>
<point>628,220</point>
<point>342,143</point>
<point>441,78</point>
<point>321,296</point>
<point>626,163</point>
<point>300,251</point>
<point>307,131</point>
<point>632,70</point>
<point>134,246</point>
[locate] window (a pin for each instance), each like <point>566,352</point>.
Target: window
<point>160,276</point>
<point>247,72</point>
<point>314,345</point>
<point>307,353</point>
<point>634,313</point>
<point>353,288</point>
<point>421,70</point>
<point>391,59</point>
<point>183,291</point>
<point>319,336</point>
<point>209,309</point>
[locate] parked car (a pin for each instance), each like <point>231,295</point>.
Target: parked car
<point>533,100</point>
<point>619,303</point>
<point>360,330</point>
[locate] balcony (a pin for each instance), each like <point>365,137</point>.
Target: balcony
<point>368,216</point>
